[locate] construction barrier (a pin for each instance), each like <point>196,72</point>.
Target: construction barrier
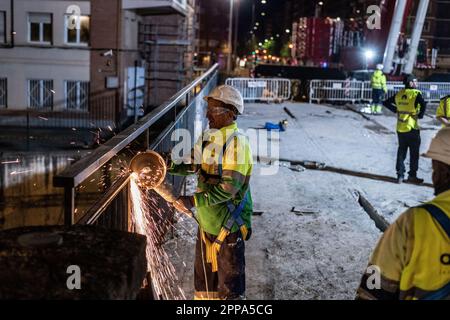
<point>361,91</point>
<point>262,89</point>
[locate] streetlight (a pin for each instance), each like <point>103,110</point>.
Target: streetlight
<point>230,37</point>
<point>369,54</point>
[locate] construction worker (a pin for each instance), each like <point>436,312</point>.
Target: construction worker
<point>223,200</point>
<point>412,258</point>
<point>379,89</point>
<point>443,111</point>
<point>409,105</point>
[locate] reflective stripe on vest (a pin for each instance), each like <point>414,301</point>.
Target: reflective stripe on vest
<point>407,112</point>
<point>427,274</point>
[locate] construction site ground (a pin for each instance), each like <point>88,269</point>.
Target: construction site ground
<point>321,251</point>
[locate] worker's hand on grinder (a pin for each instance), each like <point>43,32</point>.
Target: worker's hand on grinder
<point>184,204</point>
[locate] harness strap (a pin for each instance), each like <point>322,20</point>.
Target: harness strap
<point>439,216</point>
<point>213,248</point>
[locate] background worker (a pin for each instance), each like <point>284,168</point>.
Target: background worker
<point>409,105</point>
<point>443,111</point>
<point>413,255</point>
<point>223,200</point>
<point>379,89</point>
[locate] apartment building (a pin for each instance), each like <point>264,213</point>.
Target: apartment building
<point>84,59</point>
<point>44,63</point>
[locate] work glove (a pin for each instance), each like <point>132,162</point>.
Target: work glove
<point>184,204</point>
<point>249,234</point>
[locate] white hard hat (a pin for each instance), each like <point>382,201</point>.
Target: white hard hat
<point>380,66</point>
<point>229,95</point>
<point>440,147</point>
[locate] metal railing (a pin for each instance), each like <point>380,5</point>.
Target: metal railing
<point>262,89</point>
<point>100,113</point>
<point>361,91</point>
<point>106,168</point>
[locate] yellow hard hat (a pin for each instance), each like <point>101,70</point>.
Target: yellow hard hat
<point>440,147</point>
<point>228,95</point>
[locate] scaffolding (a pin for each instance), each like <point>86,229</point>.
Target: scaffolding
<point>163,42</point>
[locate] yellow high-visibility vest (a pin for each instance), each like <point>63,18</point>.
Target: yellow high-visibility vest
<point>407,111</point>
<point>378,80</point>
<point>428,270</point>
<point>444,108</point>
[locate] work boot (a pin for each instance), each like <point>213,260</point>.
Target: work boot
<point>414,179</point>
<point>379,110</point>
<point>400,179</point>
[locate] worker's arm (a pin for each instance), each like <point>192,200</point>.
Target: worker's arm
<point>234,176</point>
<point>384,84</point>
<point>188,164</point>
<point>440,113</point>
<point>422,104</point>
<point>389,258</point>
<point>390,104</point>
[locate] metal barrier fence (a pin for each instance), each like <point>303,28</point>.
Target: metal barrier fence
<point>262,89</point>
<point>105,170</point>
<point>361,91</point>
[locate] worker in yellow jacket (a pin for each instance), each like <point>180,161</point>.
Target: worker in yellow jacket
<point>410,106</point>
<point>379,89</point>
<point>412,257</point>
<point>223,199</point>
<point>443,111</point>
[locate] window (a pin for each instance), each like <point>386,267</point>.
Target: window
<point>3,92</point>
<point>77,95</point>
<point>2,27</point>
<point>40,94</point>
<point>40,27</point>
<point>77,31</point>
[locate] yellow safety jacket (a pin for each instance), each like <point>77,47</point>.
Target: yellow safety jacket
<point>443,111</point>
<point>378,80</point>
<point>428,270</point>
<point>223,185</point>
<point>413,255</point>
<point>407,111</point>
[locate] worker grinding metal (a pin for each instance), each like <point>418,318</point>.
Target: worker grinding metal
<point>379,89</point>
<point>223,200</point>
<point>409,105</point>
<point>443,111</point>
<point>413,255</point>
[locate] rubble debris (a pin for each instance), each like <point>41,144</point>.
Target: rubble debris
<point>290,114</point>
<point>380,221</point>
<point>302,211</point>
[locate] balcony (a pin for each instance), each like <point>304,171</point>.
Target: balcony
<point>150,7</point>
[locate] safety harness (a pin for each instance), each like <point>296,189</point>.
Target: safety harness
<point>212,248</point>
<point>444,221</point>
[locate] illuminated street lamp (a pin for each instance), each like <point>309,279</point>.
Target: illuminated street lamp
<point>230,38</point>
<point>369,55</point>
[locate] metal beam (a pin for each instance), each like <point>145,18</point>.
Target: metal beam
<point>416,34</point>
<point>396,25</point>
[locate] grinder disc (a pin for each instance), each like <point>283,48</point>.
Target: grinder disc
<point>149,169</point>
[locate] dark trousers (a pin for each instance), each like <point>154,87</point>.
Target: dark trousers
<point>377,96</point>
<point>228,283</point>
<point>408,140</point>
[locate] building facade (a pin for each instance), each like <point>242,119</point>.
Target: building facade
<point>87,60</point>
